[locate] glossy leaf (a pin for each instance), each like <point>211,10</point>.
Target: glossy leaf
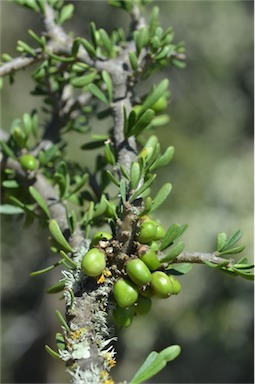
<point>161,196</point>
<point>62,321</point>
<point>135,175</point>
<point>93,88</point>
<point>158,91</point>
<point>108,82</point>
<point>232,240</point>
<point>51,352</point>
<point>221,240</point>
<point>143,122</point>
<point>8,209</point>
<point>82,81</point>
<point>174,253</point>
<point>58,236</point>
<point>154,363</point>
<point>40,201</point>
<point>143,188</point>
<point>66,13</point>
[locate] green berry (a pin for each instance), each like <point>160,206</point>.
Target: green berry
<point>150,259</point>
<point>160,105</point>
<point>161,284</point>
<point>28,162</point>
<point>143,305</point>
<point>147,233</point>
<point>154,245</point>
<point>138,272</point>
<point>176,284</point>
<point>100,236</point>
<point>123,317</point>
<point>93,263</point>
<point>160,232</point>
<point>125,293</point>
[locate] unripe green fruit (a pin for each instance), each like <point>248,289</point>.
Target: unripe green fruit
<point>123,317</point>
<point>125,293</point>
<point>160,104</point>
<point>176,284</point>
<point>143,305</point>
<point>138,272</point>
<point>154,245</point>
<point>150,259</point>
<point>100,236</point>
<point>93,263</point>
<point>161,284</point>
<point>147,232</point>
<point>160,232</point>
<point>28,162</point>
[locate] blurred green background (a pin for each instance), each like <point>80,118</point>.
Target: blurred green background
<point>211,129</point>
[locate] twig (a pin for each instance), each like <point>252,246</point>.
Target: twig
<point>200,258</point>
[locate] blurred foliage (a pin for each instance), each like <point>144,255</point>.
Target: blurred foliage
<point>211,129</point>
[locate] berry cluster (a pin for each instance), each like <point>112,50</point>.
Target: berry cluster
<point>138,277</point>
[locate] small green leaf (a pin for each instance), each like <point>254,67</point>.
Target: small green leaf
<point>174,253</point>
<point>179,64</point>
<point>93,144</point>
<point>58,236</point>
<point>93,88</point>
<point>56,288</point>
<point>155,362</point>
<point>151,99</point>
<point>7,150</point>
<point>12,184</point>
<point>45,270</point>
<point>60,341</point>
<point>164,159</point>
<point>143,123</point>
<point>123,190</point>
<point>93,34</point>
<point>65,13</point>
<point>215,265</point>
<point>68,259</point>
<point>112,178</point>
<point>171,235</point>
<point>243,266</point>
<point>108,82</point>
<point>8,209</point>
<point>40,40</point>
<point>46,156</point>
<point>143,188</point>
<point>23,47</point>
<point>221,240</point>
<point>135,175</point>
<point>161,196</point>
<point>88,46</point>
<point>107,43</point>
<point>82,81</point>
<point>133,60</point>
<point>160,120</point>
<point>170,353</point>
<point>232,240</point>
<point>62,321</point>
<point>52,352</point>
<point>233,250</point>
<point>40,200</point>
<point>152,365</point>
<point>109,153</point>
<point>141,38</point>
<point>179,269</point>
